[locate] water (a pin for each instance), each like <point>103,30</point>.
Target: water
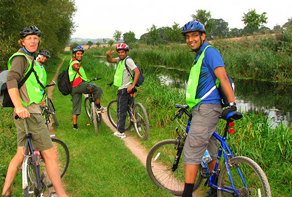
<point>274,99</point>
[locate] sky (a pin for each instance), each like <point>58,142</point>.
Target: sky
<point>101,18</point>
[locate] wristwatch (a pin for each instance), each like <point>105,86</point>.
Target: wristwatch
<point>232,104</point>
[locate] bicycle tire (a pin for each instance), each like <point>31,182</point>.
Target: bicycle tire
<point>141,125</point>
<point>53,114</point>
<point>112,113</point>
<point>255,178</point>
<point>87,107</point>
<point>94,117</point>
<point>29,175</point>
<point>63,160</point>
<point>159,164</point>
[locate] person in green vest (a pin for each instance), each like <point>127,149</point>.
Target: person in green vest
<point>80,85</point>
<point>204,99</point>
<point>26,102</point>
<point>41,59</point>
<point>124,81</point>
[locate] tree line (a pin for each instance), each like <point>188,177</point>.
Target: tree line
<point>215,28</point>
<point>54,18</point>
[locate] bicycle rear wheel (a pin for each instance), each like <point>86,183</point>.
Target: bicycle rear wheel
<point>52,114</point>
<point>94,117</point>
<point>159,166</point>
<point>63,161</point>
<point>256,181</point>
<point>141,125</point>
<point>29,177</point>
<point>112,112</point>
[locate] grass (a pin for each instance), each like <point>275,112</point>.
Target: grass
<point>102,165</point>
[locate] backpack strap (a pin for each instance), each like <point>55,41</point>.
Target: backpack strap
<point>26,76</point>
<point>128,67</point>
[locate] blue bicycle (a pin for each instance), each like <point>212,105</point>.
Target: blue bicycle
<point>238,176</point>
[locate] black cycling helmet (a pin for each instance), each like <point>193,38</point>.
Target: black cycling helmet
<point>193,26</point>
<point>45,53</point>
<point>30,30</point>
<point>77,48</point>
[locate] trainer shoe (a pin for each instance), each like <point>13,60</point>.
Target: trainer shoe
<point>121,135</point>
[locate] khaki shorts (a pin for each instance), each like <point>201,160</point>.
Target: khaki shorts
<point>41,139</point>
<point>204,124</point>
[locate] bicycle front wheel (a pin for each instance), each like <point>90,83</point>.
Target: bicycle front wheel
<point>141,123</point>
<point>94,117</point>
<point>159,166</point>
<point>63,160</point>
<point>112,112</point>
<point>243,169</point>
<point>29,177</point>
<point>52,114</point>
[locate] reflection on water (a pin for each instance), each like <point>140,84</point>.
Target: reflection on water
<point>273,99</point>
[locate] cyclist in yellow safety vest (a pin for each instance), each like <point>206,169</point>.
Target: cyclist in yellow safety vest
<point>26,102</point>
<point>203,97</point>
<point>80,85</point>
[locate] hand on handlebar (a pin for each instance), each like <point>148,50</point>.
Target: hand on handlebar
<point>228,110</point>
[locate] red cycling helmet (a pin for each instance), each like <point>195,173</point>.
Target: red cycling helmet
<point>122,46</point>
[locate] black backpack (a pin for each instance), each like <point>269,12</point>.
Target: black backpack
<point>64,83</point>
<point>141,76</point>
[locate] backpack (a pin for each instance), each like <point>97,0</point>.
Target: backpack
<point>64,83</point>
<point>5,100</point>
<point>224,100</point>
<point>141,76</point>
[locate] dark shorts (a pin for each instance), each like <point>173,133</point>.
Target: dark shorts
<point>41,139</point>
<point>204,124</point>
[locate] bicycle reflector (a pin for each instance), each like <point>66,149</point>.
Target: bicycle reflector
<point>231,129</point>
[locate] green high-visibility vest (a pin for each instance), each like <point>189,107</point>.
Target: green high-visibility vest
<point>34,89</point>
<point>72,72</point>
<point>118,78</point>
<point>193,82</point>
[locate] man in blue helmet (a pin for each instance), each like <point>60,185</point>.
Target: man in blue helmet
<point>80,85</point>
<point>203,97</point>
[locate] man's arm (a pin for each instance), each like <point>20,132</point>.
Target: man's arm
<point>109,58</point>
<point>135,80</point>
<point>224,81</point>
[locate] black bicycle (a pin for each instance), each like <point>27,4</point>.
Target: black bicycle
<point>91,110</point>
<point>35,179</point>
<point>136,116</point>
<point>239,176</point>
<point>48,109</point>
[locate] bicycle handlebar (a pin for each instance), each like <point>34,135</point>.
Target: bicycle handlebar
<point>95,79</point>
<point>52,84</point>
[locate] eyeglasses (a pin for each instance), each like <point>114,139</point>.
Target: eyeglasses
<point>29,38</point>
<point>194,35</point>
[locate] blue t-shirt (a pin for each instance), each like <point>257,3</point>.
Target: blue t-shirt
<point>212,60</point>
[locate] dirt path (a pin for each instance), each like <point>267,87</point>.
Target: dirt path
<point>134,145</point>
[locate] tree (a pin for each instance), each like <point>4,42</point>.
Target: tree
<point>288,25</point>
<point>204,17</point>
<point>129,37</point>
<point>55,23</point>
<point>117,35</point>
<point>111,42</point>
<point>104,40</point>
<point>89,43</point>
<point>254,20</point>
<point>220,28</point>
<point>235,32</point>
<point>153,35</point>
<point>97,44</point>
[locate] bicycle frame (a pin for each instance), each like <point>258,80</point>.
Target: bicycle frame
<point>30,152</point>
<point>224,149</point>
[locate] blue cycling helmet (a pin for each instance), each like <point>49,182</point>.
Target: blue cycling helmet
<point>193,26</point>
<point>77,48</point>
